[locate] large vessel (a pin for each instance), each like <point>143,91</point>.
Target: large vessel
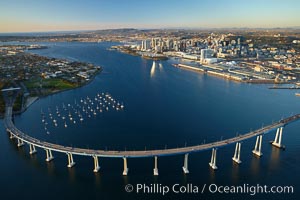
<point>154,56</point>
<point>297,94</point>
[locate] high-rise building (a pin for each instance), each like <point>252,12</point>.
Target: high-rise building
<point>176,45</point>
<point>146,45</point>
<point>206,53</point>
<point>169,44</point>
<point>155,42</point>
<point>182,46</point>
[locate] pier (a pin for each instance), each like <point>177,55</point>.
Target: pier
<point>285,88</point>
<point>229,75</point>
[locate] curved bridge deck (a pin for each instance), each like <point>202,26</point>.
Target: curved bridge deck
<point>15,132</point>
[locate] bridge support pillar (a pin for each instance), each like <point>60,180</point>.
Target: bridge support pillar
<point>125,171</point>
<point>257,148</point>
<point>71,162</point>
<point>20,142</point>
<point>32,149</point>
<point>278,138</point>
<point>11,136</point>
<point>237,154</point>
<point>96,164</point>
<point>212,163</point>
<point>49,155</point>
<point>185,164</point>
<point>155,170</point>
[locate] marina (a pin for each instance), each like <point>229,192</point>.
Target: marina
<point>86,108</point>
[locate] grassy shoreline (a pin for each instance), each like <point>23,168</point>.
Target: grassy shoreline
<point>61,86</point>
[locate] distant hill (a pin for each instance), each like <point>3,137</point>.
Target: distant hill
<point>115,31</point>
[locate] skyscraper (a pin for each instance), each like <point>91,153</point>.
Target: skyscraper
<point>146,45</point>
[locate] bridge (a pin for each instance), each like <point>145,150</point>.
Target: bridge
<point>34,143</point>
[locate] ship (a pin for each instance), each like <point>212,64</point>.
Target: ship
<point>297,94</point>
<point>153,56</point>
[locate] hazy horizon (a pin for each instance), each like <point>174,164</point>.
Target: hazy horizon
<point>166,28</point>
<point>57,16</point>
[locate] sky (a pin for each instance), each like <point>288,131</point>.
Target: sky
<point>65,15</point>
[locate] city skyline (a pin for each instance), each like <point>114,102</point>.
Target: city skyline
<point>44,15</point>
<point>149,99</point>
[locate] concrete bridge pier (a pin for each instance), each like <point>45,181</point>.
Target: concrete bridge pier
<point>20,142</point>
<point>49,155</point>
<point>32,149</point>
<point>237,154</point>
<point>278,138</point>
<point>257,148</point>
<point>96,164</point>
<point>125,171</point>
<point>155,170</point>
<point>185,164</point>
<point>71,162</point>
<point>11,136</point>
<point>212,163</point>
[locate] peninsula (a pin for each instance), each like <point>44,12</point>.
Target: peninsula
<point>39,76</point>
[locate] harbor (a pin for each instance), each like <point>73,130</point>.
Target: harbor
<point>226,74</point>
<point>285,88</point>
<point>73,113</point>
<point>160,111</point>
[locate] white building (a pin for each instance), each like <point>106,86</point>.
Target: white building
<point>146,45</point>
<point>206,53</point>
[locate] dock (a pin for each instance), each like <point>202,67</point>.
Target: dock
<point>285,88</point>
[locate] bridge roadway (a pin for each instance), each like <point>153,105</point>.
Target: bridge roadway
<point>16,133</point>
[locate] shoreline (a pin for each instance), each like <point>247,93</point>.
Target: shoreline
<point>144,55</point>
<point>226,76</point>
<point>212,73</point>
<point>36,98</point>
<point>58,74</point>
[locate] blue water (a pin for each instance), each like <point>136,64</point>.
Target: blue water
<point>164,107</point>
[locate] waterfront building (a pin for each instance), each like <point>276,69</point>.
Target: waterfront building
<point>158,49</point>
<point>155,42</point>
<point>176,45</point>
<point>206,53</point>
<point>169,44</point>
<point>146,45</point>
